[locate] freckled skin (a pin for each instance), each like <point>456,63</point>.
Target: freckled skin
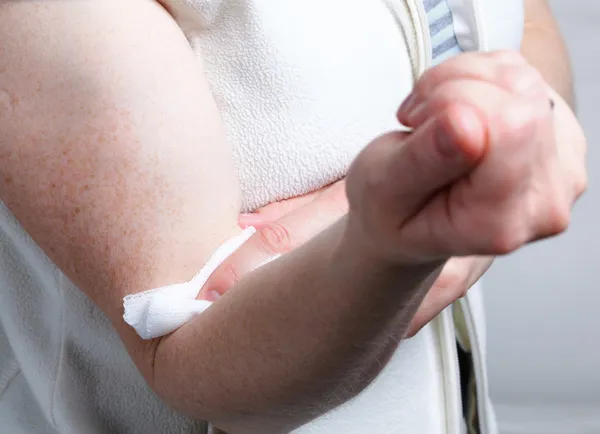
<point>7,104</point>
<point>122,174</point>
<point>78,132</point>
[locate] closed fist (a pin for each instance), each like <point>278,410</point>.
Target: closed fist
<point>495,160</point>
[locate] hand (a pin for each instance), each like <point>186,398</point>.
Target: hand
<point>282,226</point>
<point>481,174</point>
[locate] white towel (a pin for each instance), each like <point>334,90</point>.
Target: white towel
<point>160,311</point>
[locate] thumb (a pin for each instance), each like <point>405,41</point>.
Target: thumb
<point>439,152</point>
<point>276,238</point>
<point>397,175</point>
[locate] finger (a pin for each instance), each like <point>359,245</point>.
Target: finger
<point>307,221</point>
<point>496,193</point>
<point>489,98</point>
<point>449,286</point>
<point>274,211</point>
<point>571,145</point>
<point>492,194</point>
<point>506,69</point>
<point>457,277</point>
<point>279,237</point>
<point>438,153</point>
<point>437,299</point>
<point>398,173</point>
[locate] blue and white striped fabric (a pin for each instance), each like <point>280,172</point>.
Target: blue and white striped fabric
<point>441,28</point>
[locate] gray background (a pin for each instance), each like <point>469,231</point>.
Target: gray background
<point>543,303</point>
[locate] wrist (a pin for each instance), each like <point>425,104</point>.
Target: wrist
<point>362,252</point>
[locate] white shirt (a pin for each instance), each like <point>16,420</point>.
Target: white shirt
<point>302,85</point>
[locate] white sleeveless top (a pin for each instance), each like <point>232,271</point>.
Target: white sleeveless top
<point>302,85</point>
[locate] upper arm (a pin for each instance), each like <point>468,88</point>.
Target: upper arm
<point>111,146</point>
<point>538,11</point>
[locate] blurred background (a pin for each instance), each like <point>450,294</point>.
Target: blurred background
<point>543,303</point>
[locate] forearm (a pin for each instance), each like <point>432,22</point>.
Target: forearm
<point>544,47</point>
<point>303,334</point>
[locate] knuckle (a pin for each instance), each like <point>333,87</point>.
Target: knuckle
<point>581,185</point>
<point>427,81</point>
<point>420,87</point>
<point>444,96</point>
<point>276,238</point>
<point>228,277</point>
<point>517,121</point>
<point>506,240</point>
<point>446,91</point>
<point>509,57</point>
<point>431,80</point>
<point>558,219</point>
<point>521,80</point>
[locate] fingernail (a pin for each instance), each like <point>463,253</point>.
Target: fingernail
<point>246,220</point>
<point>212,295</point>
<point>408,103</point>
<point>446,143</point>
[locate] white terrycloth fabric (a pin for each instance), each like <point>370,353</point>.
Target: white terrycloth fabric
<point>342,67</point>
<point>302,85</point>
<point>160,311</point>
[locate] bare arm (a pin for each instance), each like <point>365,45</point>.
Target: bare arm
<point>109,156</point>
<point>105,146</point>
<point>545,49</point>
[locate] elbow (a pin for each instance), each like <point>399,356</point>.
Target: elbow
<point>298,407</point>
<point>259,406</point>
<point>275,415</point>
<point>199,397</point>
